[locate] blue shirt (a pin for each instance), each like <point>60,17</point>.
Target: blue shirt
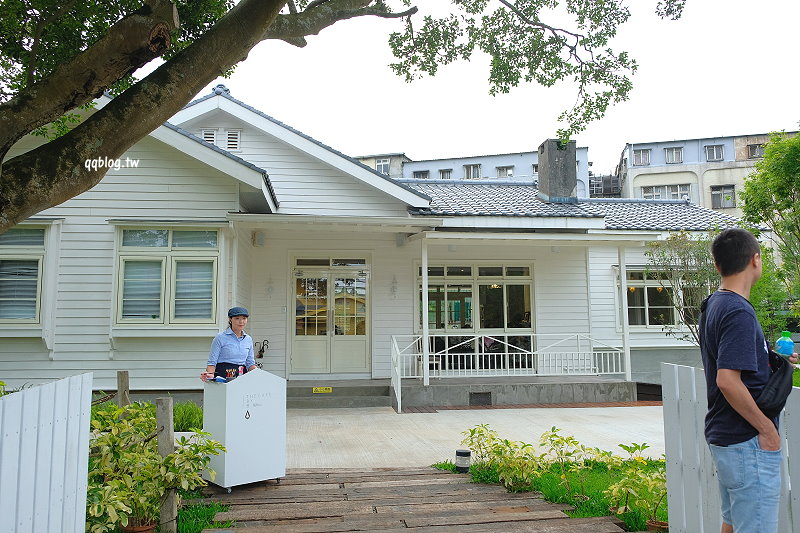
<point>732,338</point>
<point>228,348</point>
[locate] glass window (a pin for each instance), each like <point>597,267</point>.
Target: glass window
<point>22,237</point>
<point>145,238</point>
<point>434,271</point>
<point>19,289</point>
<point>505,172</point>
<point>141,289</point>
<point>421,174</point>
<point>350,308</point>
<point>459,271</point>
<point>459,306</point>
<point>518,271</point>
<point>313,262</point>
<point>311,306</point>
<point>445,173</point>
<point>490,271</point>
<point>649,303</point>
<point>715,152</point>
<point>349,262</point>
<point>518,306</point>
<point>491,305</point>
<point>673,155</point>
<point>641,157</point>
<point>168,276</point>
<point>472,172</point>
<point>194,239</point>
<point>755,151</point>
<point>723,196</point>
<point>435,306</point>
<point>382,166</point>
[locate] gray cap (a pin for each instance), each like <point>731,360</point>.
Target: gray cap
<point>237,311</point>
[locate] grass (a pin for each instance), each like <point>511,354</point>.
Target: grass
<point>796,378</point>
<point>196,517</point>
<point>187,416</point>
<point>587,489</point>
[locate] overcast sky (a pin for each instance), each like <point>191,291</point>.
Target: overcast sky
<point>726,68</point>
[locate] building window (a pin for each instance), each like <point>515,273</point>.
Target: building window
<point>445,173</point>
<point>649,303</point>
<point>503,291</point>
<point>21,258</point>
<point>382,166</point>
<point>723,196</point>
<point>535,169</point>
<point>755,151</point>
<point>715,152</point>
<point>641,157</point>
<point>167,276</point>
<point>505,172</point>
<point>421,174</point>
<point>472,172</point>
<point>673,155</point>
<point>666,192</point>
<point>230,140</point>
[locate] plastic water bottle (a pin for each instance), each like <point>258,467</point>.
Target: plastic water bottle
<point>785,346</point>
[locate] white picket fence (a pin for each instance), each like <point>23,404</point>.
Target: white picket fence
<point>44,457</point>
<point>692,489</point>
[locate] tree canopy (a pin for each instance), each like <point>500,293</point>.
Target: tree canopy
<point>59,55</point>
<point>772,196</point>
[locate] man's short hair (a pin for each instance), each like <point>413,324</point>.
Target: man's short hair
<point>733,249</point>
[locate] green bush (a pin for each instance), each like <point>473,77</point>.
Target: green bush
<point>593,481</point>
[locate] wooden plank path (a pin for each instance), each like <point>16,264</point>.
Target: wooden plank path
<point>393,499</point>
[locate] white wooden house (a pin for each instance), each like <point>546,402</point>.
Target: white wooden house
<point>227,206</point>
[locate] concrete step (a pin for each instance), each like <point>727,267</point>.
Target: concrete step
<point>307,391</point>
<point>325,401</point>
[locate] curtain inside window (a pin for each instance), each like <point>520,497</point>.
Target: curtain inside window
<point>18,286</point>
<point>141,289</point>
<point>194,287</point>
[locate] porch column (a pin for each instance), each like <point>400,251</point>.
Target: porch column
<point>623,299</point>
<point>424,312</point>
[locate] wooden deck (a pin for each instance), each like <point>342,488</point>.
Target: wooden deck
<point>422,499</point>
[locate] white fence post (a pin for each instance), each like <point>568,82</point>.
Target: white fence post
<point>692,489</point>
<point>44,457</point>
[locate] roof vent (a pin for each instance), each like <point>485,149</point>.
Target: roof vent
<point>220,89</point>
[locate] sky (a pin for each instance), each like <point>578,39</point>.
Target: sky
<point>726,68</point>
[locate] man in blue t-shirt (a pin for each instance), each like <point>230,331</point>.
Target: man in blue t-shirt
<point>744,443</point>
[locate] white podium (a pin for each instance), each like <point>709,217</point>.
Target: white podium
<point>248,416</point>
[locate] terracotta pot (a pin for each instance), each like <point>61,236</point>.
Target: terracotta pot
<point>657,525</point>
<point>149,528</point>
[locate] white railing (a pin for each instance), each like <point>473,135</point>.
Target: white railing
<point>44,457</point>
<point>692,490</point>
<point>537,354</point>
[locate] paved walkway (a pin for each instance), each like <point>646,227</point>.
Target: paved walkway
<point>377,437</point>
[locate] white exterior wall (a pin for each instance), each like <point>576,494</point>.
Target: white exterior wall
<point>166,184</point>
<point>303,184</point>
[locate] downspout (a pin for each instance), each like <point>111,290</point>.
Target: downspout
<point>623,299</point>
<point>424,316</point>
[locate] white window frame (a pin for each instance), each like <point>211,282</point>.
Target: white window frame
<point>168,256</point>
<point>382,165</point>
<point>755,151</point>
<point>472,171</point>
<point>445,173</point>
<point>641,157</point>
<point>711,152</point>
<point>673,155</point>
<point>505,172</point>
<point>645,284</point>
<point>680,191</point>
<point>535,169</point>
<point>209,135</point>
<point>595,185</point>
<point>421,174</point>
<point>27,253</point>
<point>475,280</point>
<point>718,193</point>
<point>233,140</point>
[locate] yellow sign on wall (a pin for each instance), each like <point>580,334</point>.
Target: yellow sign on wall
<point>317,390</point>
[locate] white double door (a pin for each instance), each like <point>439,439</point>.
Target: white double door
<point>331,329</point>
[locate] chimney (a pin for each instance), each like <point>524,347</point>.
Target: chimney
<point>558,174</point>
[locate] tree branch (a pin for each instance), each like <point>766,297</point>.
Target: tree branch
<point>129,44</point>
<point>55,172</point>
<point>318,15</point>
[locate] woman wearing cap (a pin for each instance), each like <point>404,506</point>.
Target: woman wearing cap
<point>232,350</point>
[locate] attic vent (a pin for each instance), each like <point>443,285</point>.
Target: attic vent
<point>209,136</point>
<point>233,139</point>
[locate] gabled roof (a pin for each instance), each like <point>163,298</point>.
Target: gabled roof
<point>220,98</point>
<point>469,199</point>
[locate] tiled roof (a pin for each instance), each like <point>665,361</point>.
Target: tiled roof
<point>459,198</point>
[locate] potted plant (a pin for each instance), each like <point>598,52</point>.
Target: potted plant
<point>128,479</point>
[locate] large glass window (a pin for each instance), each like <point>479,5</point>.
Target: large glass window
<point>21,257</point>
<point>723,196</point>
<point>167,276</point>
<point>649,303</point>
<point>504,297</point>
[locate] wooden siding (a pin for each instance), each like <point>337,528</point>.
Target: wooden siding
<point>166,184</point>
<point>303,184</point>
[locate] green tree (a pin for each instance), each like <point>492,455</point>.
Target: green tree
<point>683,265</point>
<point>772,196</point>
<point>59,55</point>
